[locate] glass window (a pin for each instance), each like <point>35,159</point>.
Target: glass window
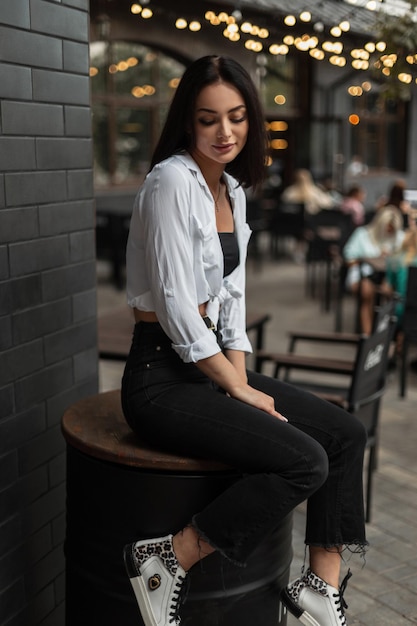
<point>379,137</point>
<point>132,87</point>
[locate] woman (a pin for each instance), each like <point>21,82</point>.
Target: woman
<point>306,191</point>
<point>381,238</point>
<point>352,204</point>
<point>396,278</point>
<point>186,388</point>
<point>396,197</point>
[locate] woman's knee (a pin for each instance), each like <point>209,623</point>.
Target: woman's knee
<point>314,468</point>
<point>319,463</point>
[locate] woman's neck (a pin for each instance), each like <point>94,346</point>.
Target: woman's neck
<point>211,171</point>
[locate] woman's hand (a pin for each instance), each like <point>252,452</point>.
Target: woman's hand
<point>230,378</point>
<point>257,399</point>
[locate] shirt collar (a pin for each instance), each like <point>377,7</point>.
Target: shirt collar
<point>187,159</point>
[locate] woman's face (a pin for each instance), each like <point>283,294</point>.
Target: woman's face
<point>220,123</point>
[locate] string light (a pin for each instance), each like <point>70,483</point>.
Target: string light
<point>290,20</point>
<point>234,29</point>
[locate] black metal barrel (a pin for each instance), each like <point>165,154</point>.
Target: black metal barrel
<point>119,491</point>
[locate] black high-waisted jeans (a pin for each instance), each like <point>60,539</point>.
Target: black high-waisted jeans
<point>317,455</point>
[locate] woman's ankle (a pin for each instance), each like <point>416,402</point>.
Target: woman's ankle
<point>190,548</point>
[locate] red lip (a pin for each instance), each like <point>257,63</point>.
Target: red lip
<point>223,147</point>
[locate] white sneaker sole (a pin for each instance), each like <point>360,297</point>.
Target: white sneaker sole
<point>304,617</point>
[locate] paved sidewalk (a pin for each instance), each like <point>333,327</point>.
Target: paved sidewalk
<point>384,591</point>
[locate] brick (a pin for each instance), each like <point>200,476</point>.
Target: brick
<point>20,428</point>
<point>39,386</point>
<point>40,450</point>
<point>59,20</point>
<point>82,246</point>
<point>30,49</point>
<point>26,292</point>
<point>33,485</point>
<point>9,505</point>
<point>86,364</point>
<point>6,409</point>
<point>66,281</point>
<point>80,184</point>
<point>5,332</point>
<point>4,260</point>
<point>60,87</point>
<point>38,255</point>
<point>15,82</point>
<point>17,153</point>
<point>35,187</point>
<point>21,361</point>
<point>84,305</point>
<point>45,509</point>
<point>16,13</point>
<point>76,57</point>
<point>59,531</point>
<point>2,194</point>
<point>57,469</point>
<point>24,118</point>
<point>39,543</point>
<point>45,571</point>
<point>78,121</point>
<point>11,600</point>
<point>5,297</point>
<point>10,533</point>
<point>58,404</point>
<point>40,321</point>
<point>65,217</point>
<point>18,224</point>
<point>55,618</point>
<point>8,470</point>
<point>70,341</point>
<point>40,607</point>
<point>56,154</point>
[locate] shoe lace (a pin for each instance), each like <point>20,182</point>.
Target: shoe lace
<point>340,599</point>
<point>179,595</point>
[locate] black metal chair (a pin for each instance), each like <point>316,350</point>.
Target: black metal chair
<point>286,221</point>
<point>364,386</point>
<point>325,234</point>
<point>409,326</point>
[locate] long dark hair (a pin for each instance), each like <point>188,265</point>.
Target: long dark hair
<point>178,132</point>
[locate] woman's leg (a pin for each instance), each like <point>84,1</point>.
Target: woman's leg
<point>335,516</point>
<point>335,512</point>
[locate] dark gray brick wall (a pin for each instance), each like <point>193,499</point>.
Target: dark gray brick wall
<point>48,329</point>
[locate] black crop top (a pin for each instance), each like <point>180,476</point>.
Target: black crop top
<point>230,252</point>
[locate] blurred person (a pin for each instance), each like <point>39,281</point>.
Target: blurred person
<point>396,278</point>
<point>396,198</point>
<point>356,167</point>
<point>304,190</point>
<point>382,237</point>
<point>352,204</point>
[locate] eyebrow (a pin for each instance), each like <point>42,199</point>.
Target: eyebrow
<point>205,110</point>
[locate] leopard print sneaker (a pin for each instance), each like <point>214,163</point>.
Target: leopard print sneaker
<point>314,602</point>
<point>157,580</point>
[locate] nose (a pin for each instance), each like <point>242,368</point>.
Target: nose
<point>224,130</point>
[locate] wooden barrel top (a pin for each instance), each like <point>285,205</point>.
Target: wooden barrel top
<point>96,426</point>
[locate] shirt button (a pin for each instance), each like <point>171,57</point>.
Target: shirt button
<point>158,348</point>
<point>147,366</point>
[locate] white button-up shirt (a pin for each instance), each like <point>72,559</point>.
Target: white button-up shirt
<point>174,259</point>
